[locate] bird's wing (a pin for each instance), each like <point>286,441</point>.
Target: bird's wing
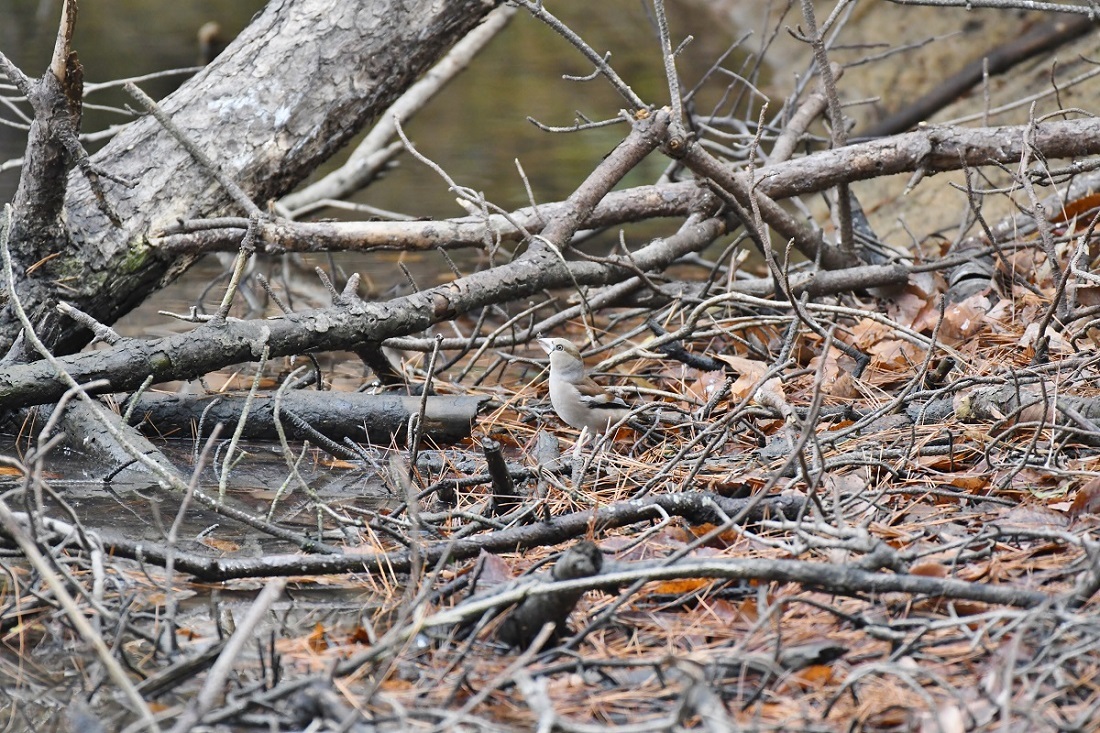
<point>596,397</point>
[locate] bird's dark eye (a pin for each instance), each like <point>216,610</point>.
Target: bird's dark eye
<point>558,348</point>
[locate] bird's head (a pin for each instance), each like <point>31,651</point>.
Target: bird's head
<point>565,359</point>
<point>559,348</point>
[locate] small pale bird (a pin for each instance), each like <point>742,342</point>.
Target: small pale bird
<point>579,401</point>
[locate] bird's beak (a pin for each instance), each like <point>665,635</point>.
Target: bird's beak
<point>546,345</point>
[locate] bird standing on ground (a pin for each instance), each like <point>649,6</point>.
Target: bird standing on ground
<point>579,401</point>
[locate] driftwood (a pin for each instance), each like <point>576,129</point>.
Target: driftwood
<point>361,417</point>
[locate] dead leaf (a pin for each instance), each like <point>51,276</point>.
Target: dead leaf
<point>963,319</point>
<point>1032,516</point>
<point>680,587</point>
<point>494,570</point>
<point>359,635</point>
<point>948,719</point>
<point>1076,208</point>
<point>317,641</point>
<point>706,386</point>
<point>929,570</point>
<point>816,676</point>
<point>1055,342</point>
<point>836,370</point>
<point>971,482</point>
<point>906,308</point>
<point>225,546</point>
<point>1087,500</point>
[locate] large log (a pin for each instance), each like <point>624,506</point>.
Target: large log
<point>302,79</point>
<point>362,417</point>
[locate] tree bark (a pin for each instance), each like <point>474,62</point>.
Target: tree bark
<point>293,88</point>
<point>362,417</point>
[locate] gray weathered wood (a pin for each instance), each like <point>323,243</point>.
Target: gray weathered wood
<point>362,417</point>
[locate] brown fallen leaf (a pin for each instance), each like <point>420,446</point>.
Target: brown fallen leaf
<point>929,570</point>
<point>316,640</point>
<point>1087,500</point>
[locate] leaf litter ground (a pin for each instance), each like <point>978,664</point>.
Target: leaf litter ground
<point>968,463</point>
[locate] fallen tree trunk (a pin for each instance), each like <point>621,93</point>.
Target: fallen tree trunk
<point>301,80</point>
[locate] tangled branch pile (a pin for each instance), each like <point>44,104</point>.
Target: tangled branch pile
<point>862,496</point>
